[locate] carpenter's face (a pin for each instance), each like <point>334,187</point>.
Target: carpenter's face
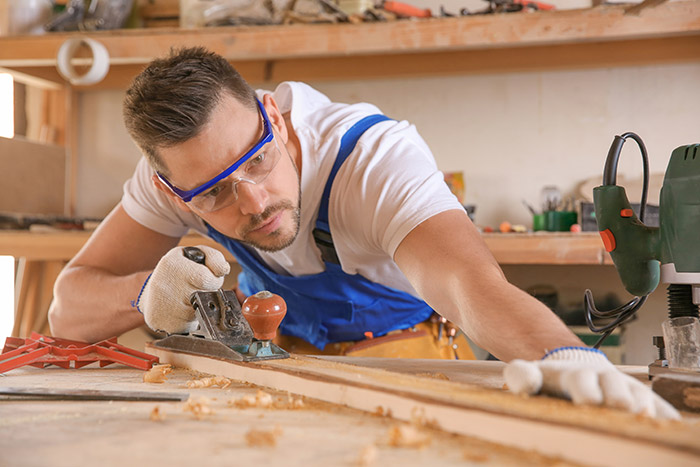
<point>258,202</point>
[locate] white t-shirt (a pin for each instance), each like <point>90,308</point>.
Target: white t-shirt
<point>387,186</point>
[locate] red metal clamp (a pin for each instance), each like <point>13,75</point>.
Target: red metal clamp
<point>41,351</point>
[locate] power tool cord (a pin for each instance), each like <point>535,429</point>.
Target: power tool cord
<point>622,313</point>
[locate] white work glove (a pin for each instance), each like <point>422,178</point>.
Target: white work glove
<point>165,296</point>
<point>585,376</point>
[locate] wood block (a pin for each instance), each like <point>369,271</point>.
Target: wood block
<point>33,177</point>
<point>682,391</point>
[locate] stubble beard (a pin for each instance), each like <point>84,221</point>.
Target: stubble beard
<point>280,238</point>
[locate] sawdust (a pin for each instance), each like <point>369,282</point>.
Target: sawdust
<point>261,399</point>
<point>199,408</point>
<point>419,419</point>
<point>265,400</point>
<point>368,456</point>
<point>209,382</point>
<point>263,438</point>
<point>156,414</point>
<point>435,375</point>
<point>478,457</point>
<point>380,411</point>
<point>157,374</point>
<point>407,436</point>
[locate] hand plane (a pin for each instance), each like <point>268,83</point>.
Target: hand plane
<point>227,329</point>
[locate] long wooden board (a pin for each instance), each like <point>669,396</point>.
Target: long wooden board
<point>548,426</point>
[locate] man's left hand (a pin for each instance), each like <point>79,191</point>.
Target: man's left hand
<point>585,376</point>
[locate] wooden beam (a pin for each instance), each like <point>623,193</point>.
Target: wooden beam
<point>548,426</point>
<point>31,78</point>
<point>684,49</point>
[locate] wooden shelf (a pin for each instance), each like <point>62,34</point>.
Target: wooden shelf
<point>563,248</point>
<point>533,248</point>
<point>601,36</point>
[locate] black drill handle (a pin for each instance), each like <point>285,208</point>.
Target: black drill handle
<point>194,254</point>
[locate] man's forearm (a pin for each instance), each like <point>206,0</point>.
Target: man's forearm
<point>91,304</point>
<point>510,323</point>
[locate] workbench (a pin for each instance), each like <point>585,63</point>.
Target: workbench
<point>69,433</point>
<point>120,433</point>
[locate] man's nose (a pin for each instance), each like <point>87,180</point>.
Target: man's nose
<point>252,198</point>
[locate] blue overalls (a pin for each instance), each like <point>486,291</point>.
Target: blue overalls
<point>331,306</point>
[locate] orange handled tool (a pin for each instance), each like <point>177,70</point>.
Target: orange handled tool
<point>404,9</point>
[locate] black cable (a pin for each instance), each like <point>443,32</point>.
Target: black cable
<point>625,312</point>
<point>645,162</point>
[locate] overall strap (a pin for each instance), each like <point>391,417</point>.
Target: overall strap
<point>322,232</point>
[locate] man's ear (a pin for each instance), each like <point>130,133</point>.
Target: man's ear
<point>276,118</point>
<point>162,187</point>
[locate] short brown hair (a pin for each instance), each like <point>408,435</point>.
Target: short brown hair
<point>171,100</point>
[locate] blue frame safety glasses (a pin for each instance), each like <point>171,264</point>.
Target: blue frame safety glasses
<point>253,167</point>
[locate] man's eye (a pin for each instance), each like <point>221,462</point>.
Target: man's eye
<point>213,192</point>
<point>257,160</point>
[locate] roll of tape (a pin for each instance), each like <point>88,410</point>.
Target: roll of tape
<point>100,61</point>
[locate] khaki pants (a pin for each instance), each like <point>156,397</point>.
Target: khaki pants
<point>420,341</point>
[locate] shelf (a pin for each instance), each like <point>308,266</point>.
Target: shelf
<point>533,248</point>
<point>563,248</point>
<point>602,36</point>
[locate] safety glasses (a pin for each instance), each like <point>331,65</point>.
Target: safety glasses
<point>253,167</point>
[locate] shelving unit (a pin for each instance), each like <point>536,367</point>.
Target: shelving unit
<point>601,36</point>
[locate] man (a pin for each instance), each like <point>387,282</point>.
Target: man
<point>335,207</point>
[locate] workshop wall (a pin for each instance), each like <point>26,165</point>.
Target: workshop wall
<point>510,134</point>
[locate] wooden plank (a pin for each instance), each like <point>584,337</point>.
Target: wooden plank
<point>551,427</point>
<point>70,128</point>
<point>605,23</point>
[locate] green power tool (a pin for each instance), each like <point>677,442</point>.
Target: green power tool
<point>645,256</point>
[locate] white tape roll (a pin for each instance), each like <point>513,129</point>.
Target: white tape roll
<point>100,61</point>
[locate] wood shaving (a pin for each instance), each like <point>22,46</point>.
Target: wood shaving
<point>368,456</point>
<point>382,412</point>
<point>199,408</point>
<point>406,436</point>
<point>261,400</point>
<point>156,415</point>
<point>264,400</point>
<point>157,374</point>
<point>208,382</point>
<point>478,457</point>
<point>266,438</point>
<point>435,375</point>
<point>418,419</point>
<point>294,403</point>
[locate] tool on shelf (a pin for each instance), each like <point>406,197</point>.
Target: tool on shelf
<point>228,330</point>
<point>41,351</point>
<point>645,256</point>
